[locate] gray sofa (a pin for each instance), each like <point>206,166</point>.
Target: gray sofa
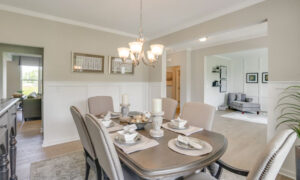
<point>240,102</point>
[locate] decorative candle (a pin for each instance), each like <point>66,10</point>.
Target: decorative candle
<point>156,105</point>
<point>125,99</point>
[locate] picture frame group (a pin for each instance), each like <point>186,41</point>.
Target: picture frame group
<point>82,62</point>
<point>253,77</point>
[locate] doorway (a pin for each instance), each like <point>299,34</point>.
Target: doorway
<point>173,84</point>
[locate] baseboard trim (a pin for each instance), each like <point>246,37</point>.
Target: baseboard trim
<point>287,173</point>
<point>59,141</point>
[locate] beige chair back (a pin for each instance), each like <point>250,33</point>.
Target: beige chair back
<point>169,107</point>
<point>100,105</point>
<point>271,159</point>
<point>82,131</point>
<point>104,148</point>
<point>199,114</point>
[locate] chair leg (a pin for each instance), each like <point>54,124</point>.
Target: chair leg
<point>87,171</point>
<point>99,171</point>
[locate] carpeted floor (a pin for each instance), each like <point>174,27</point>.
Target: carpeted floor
<point>72,167</point>
<point>250,117</point>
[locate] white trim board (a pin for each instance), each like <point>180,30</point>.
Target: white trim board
<point>59,126</point>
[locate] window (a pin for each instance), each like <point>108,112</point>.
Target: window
<point>30,79</point>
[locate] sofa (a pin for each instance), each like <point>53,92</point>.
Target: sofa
<point>32,107</point>
<point>240,102</point>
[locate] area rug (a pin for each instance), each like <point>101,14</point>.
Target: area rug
<point>72,167</point>
<point>250,117</point>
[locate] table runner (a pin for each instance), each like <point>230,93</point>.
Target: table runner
<point>144,144</point>
<point>186,132</point>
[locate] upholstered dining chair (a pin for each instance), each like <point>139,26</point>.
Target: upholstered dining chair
<point>198,114</point>
<point>269,161</point>
<point>90,155</point>
<point>100,105</point>
<point>106,152</point>
<point>169,107</point>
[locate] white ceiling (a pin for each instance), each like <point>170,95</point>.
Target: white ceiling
<point>121,16</point>
<point>224,37</point>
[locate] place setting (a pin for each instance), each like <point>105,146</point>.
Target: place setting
<point>129,140</point>
<point>107,121</point>
<point>181,126</point>
<point>189,146</point>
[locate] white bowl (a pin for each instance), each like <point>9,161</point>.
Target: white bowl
<point>179,123</point>
<point>127,137</point>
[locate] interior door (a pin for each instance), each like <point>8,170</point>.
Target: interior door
<point>173,84</point>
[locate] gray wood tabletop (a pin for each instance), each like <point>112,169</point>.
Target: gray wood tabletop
<point>161,162</point>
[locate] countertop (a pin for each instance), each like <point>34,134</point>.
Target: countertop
<point>5,104</point>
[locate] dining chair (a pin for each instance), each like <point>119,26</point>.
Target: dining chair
<point>169,107</point>
<point>106,152</point>
<point>100,105</point>
<point>198,114</point>
<point>89,152</point>
<point>268,164</point>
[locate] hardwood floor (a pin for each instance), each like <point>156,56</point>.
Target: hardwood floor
<point>29,148</point>
<point>251,136</point>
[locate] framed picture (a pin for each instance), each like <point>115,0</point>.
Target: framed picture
<point>87,63</point>
<point>265,77</point>
<point>223,72</point>
<point>223,85</point>
<point>117,66</point>
<point>251,77</point>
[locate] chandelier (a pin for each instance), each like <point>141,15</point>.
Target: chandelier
<point>135,52</point>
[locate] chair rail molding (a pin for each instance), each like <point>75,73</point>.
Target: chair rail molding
<point>59,126</point>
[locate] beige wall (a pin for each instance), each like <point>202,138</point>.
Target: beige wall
<point>179,59</point>
<point>13,77</point>
<point>59,40</point>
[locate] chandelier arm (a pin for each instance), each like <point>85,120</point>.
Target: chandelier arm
<point>148,63</point>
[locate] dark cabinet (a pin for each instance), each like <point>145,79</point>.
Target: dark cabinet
<point>8,129</point>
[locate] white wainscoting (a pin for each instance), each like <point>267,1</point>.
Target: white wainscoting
<point>275,88</point>
<point>59,126</point>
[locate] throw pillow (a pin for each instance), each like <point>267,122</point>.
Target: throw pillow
<point>243,97</point>
<point>239,97</point>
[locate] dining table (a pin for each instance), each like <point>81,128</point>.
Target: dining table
<point>160,162</point>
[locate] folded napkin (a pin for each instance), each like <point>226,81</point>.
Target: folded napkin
<point>207,148</point>
<point>130,128</point>
<point>107,116</point>
<point>186,140</point>
<point>186,132</point>
<point>144,144</point>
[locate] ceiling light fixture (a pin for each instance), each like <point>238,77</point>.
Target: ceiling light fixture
<point>135,52</point>
<point>203,39</point>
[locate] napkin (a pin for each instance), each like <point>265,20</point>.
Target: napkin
<point>188,141</point>
<point>179,122</point>
<point>147,114</point>
<point>130,128</point>
<point>107,116</point>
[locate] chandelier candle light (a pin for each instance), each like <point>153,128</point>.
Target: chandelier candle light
<point>136,49</point>
<point>157,118</point>
<point>124,107</point>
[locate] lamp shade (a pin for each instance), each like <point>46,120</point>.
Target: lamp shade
<point>157,49</point>
<point>150,56</point>
<point>136,46</point>
<point>123,52</point>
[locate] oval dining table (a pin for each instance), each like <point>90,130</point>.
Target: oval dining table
<point>160,162</point>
